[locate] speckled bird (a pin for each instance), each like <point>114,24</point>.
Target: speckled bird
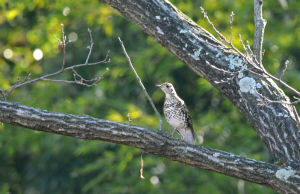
<point>177,114</point>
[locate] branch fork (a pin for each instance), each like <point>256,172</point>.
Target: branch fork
<point>251,57</point>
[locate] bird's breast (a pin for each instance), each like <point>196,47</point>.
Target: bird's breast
<point>174,116</point>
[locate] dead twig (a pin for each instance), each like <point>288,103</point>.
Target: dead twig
<point>283,72</point>
<point>142,166</point>
<point>62,46</point>
<point>265,101</point>
<point>231,22</point>
<point>142,162</point>
<point>296,115</point>
<point>233,74</point>
<point>90,47</point>
<point>141,84</point>
<point>206,42</point>
<point>95,80</point>
<point>129,120</point>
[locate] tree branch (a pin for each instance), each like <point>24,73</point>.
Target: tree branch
<point>152,141</point>
<point>171,29</point>
<point>62,47</point>
<point>260,25</point>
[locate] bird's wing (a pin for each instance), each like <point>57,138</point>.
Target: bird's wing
<point>189,123</point>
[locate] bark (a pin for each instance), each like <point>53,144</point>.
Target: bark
<point>274,123</point>
<point>154,142</point>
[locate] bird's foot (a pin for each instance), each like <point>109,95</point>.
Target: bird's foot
<point>181,141</point>
<point>171,135</point>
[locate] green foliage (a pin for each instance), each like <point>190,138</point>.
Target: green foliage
<point>35,162</point>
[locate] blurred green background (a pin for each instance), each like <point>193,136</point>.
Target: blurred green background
<point>34,162</point>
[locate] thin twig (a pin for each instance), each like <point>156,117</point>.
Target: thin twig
<point>266,101</point>
<point>142,162</point>
<point>62,47</point>
<point>75,75</point>
<point>234,74</point>
<point>229,72</point>
<point>283,72</point>
<point>106,60</point>
<point>142,166</point>
<point>96,80</point>
<point>245,48</point>
<point>206,42</point>
<point>90,47</point>
<point>296,115</point>
<point>249,48</point>
<point>231,22</point>
<point>129,122</point>
<point>228,42</point>
<point>2,94</point>
<point>141,84</point>
<point>215,29</point>
<point>283,83</point>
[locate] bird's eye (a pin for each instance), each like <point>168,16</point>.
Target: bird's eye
<point>167,86</point>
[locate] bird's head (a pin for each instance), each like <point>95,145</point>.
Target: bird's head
<point>167,88</point>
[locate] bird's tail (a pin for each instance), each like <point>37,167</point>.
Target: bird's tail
<point>189,136</point>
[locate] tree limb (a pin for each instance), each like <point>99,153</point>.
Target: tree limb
<point>152,141</point>
<point>260,25</point>
<point>275,123</point>
<point>62,47</point>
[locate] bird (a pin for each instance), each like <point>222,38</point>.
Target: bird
<point>177,114</point>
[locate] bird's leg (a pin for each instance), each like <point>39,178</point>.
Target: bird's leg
<point>183,136</point>
<point>172,134</point>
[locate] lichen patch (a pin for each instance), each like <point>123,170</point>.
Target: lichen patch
<point>284,174</point>
<point>159,30</point>
<point>246,84</point>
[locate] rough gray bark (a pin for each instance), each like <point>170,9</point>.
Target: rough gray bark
<point>274,123</point>
<point>154,142</point>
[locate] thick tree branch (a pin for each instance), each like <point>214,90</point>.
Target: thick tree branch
<point>275,123</point>
<point>154,142</point>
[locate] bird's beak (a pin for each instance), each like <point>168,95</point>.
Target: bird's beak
<point>158,85</point>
